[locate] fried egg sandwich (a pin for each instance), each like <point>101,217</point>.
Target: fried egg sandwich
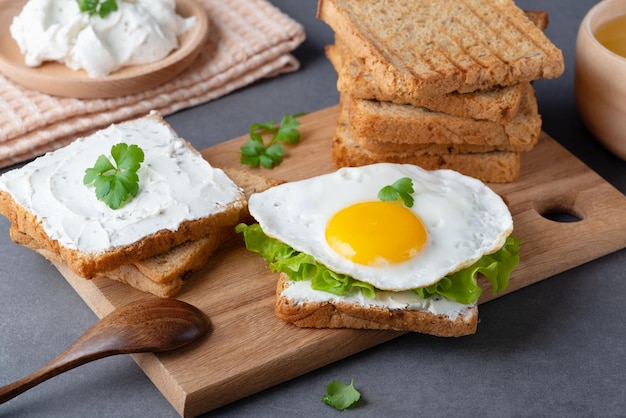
<point>383,246</point>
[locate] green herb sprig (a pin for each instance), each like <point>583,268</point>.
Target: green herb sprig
<point>401,189</point>
<point>100,7</point>
<point>117,183</point>
<point>341,396</point>
<point>255,153</point>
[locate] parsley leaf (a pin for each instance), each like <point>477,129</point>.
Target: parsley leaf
<point>114,185</point>
<point>341,396</point>
<point>100,7</point>
<point>255,153</point>
<point>401,189</point>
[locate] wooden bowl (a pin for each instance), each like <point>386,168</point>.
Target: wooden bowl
<point>57,79</point>
<point>600,81</point>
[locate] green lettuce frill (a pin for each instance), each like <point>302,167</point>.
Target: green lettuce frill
<point>460,286</point>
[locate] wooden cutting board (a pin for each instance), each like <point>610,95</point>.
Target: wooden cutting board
<point>250,350</point>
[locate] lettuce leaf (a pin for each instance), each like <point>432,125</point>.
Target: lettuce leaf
<point>460,286</point>
<point>299,266</point>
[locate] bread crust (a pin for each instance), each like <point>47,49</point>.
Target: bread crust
<point>307,314</point>
<point>489,167</point>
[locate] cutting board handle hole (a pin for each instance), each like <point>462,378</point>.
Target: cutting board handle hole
<point>561,214</point>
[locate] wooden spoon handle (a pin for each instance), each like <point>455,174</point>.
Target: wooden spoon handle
<point>144,326</point>
<point>66,361</point>
<point>76,355</point>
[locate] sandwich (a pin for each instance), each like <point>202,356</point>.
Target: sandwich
<point>182,209</point>
<point>383,246</point>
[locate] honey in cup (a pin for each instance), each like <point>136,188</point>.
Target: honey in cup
<point>600,74</point>
<point>612,35</point>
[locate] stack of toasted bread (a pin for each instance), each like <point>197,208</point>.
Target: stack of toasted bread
<point>438,84</point>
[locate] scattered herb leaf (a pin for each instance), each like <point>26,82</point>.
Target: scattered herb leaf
<point>341,396</point>
<point>100,7</point>
<point>116,183</point>
<point>255,153</point>
<point>401,189</point>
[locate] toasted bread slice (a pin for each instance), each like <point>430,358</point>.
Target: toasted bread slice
<point>333,314</point>
<point>355,80</point>
<point>415,142</point>
<point>460,46</point>
<point>385,122</point>
<point>498,104</point>
<point>163,275</point>
<point>490,167</point>
<point>250,183</point>
<point>130,273</point>
<point>136,231</point>
<point>182,260</point>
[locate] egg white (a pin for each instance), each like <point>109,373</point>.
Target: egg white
<point>464,218</point>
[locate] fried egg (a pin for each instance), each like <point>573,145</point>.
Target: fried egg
<point>338,219</point>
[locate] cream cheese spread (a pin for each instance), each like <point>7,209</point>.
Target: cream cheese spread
<point>175,185</point>
<point>139,32</point>
<point>300,291</point>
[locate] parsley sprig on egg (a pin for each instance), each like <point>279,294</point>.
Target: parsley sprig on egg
<point>400,189</point>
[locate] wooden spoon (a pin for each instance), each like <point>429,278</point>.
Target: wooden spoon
<point>146,326</point>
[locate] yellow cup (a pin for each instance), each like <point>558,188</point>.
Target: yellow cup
<point>600,80</point>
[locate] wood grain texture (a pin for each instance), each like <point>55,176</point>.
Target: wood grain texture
<point>250,350</point>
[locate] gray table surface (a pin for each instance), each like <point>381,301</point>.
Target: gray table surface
<point>556,348</point>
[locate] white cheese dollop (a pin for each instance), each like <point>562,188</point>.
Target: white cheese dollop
<point>139,32</point>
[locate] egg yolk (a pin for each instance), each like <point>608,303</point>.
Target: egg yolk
<point>376,233</point>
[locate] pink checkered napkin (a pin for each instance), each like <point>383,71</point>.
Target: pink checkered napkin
<point>248,40</point>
